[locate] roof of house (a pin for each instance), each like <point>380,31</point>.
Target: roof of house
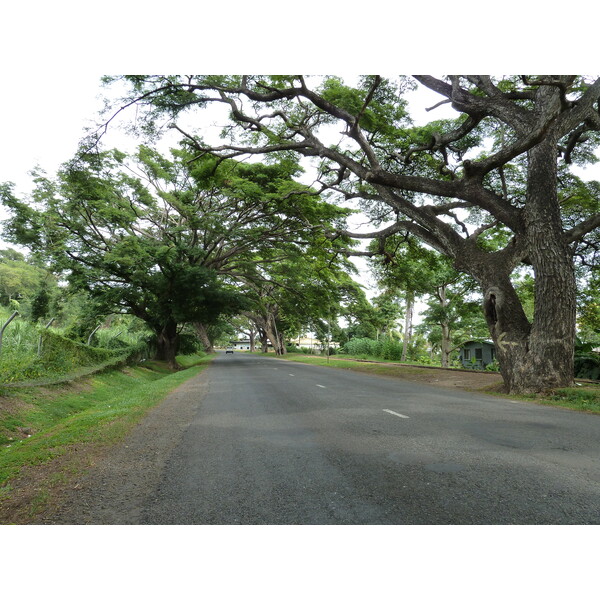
<point>488,342</point>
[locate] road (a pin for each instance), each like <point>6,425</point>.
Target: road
<point>274,442</point>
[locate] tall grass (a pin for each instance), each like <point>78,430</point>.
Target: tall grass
<point>365,347</point>
<point>29,351</point>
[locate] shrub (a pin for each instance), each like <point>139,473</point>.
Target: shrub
<point>362,346</point>
<point>390,350</point>
<point>586,361</point>
<point>20,359</point>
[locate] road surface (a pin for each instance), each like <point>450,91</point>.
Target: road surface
<point>255,440</point>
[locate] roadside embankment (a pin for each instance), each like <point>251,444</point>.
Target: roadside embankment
<point>50,434</point>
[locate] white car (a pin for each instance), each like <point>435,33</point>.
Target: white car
<point>229,350</point>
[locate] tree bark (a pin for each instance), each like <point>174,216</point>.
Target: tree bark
<point>410,301</point>
<point>537,356</point>
<point>264,340</point>
<point>446,346</point>
<point>268,331</point>
<point>167,345</point>
<point>548,359</point>
<point>202,332</point>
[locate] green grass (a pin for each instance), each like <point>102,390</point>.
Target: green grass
<point>337,362</point>
<point>415,363</point>
<point>584,398</point>
<point>51,421</point>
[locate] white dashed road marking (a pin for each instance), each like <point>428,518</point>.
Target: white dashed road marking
<point>320,385</point>
<point>387,410</point>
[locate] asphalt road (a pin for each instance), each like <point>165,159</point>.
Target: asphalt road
<point>275,442</point>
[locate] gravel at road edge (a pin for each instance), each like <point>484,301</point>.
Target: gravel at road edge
<point>122,480</point>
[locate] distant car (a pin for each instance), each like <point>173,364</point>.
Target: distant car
<point>229,350</point>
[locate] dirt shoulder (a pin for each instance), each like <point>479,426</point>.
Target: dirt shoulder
<point>101,484</point>
<point>470,381</point>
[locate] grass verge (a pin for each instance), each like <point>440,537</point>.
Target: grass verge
<point>583,398</point>
<point>377,368</point>
<point>39,425</point>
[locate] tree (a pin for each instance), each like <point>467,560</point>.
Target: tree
<point>124,246</point>
<point>451,318</point>
<point>172,240</point>
<point>441,182</point>
<point>303,291</point>
<point>405,264</point>
<point>387,312</point>
<point>18,278</point>
<point>401,263</point>
<point>40,305</point>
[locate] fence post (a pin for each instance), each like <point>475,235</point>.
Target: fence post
<point>5,326</point>
<point>92,334</point>
<point>40,340</point>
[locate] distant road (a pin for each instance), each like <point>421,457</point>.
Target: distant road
<point>280,442</point>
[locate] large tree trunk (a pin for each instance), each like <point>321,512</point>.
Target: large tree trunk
<point>274,337</point>
<point>202,332</point>
<point>532,358</point>
<point>446,346</point>
<point>264,340</point>
<point>551,342</point>
<point>268,331</point>
<point>538,356</point>
<point>167,344</point>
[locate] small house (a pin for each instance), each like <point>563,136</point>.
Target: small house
<point>241,344</point>
<point>477,354</point>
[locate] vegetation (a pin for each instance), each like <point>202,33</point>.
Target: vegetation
<point>492,189</point>
<point>40,424</point>
<point>154,255</point>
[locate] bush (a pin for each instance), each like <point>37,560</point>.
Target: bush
<point>189,344</point>
<point>587,361</point>
<point>386,349</point>
<point>390,350</point>
<point>309,351</point>
<point>362,346</point>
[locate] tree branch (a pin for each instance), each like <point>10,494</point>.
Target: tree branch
<point>576,233</point>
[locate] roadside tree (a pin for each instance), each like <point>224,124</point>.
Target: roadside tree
<point>502,165</point>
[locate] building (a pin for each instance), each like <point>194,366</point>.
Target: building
<point>477,354</point>
<point>240,344</point>
<point>311,343</point>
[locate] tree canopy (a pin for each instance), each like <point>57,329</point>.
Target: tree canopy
<point>501,170</point>
<point>169,240</point>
